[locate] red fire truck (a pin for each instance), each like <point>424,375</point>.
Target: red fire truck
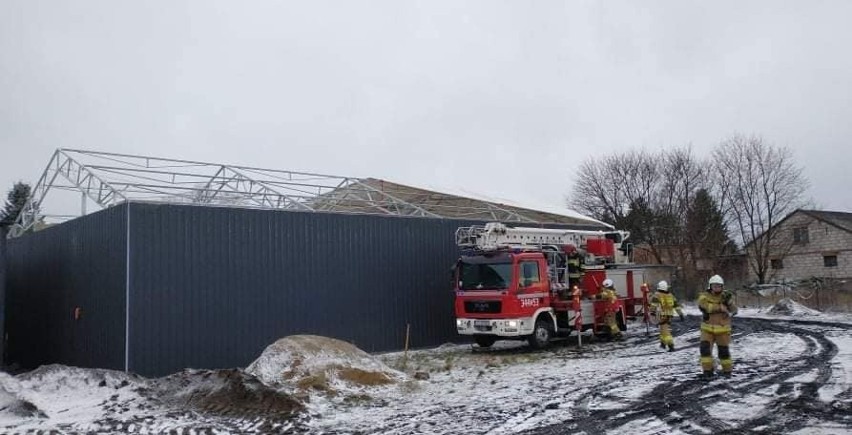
<point>513,283</point>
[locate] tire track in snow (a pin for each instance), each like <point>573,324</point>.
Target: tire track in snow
<point>683,404</point>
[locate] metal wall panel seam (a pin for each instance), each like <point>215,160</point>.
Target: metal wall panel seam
<point>127,292</point>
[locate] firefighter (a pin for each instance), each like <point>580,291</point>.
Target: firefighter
<point>573,266</point>
<point>607,294</point>
<point>664,305</point>
<point>716,307</point>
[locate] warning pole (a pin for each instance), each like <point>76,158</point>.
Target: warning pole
<point>645,308</point>
<point>578,316</point>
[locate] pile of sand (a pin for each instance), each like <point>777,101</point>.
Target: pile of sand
<point>788,307</point>
<point>310,362</point>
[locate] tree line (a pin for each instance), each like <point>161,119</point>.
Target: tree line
<point>687,209</point>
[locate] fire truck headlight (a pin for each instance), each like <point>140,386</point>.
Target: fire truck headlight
<point>459,323</point>
<point>512,323</point>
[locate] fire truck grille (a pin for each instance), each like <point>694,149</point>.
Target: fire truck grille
<point>482,306</point>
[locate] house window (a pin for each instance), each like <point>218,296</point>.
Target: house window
<point>776,263</point>
<point>800,235</point>
<point>829,260</point>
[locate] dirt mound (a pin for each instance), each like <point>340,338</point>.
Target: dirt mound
<point>788,307</point>
<point>11,404</point>
<point>310,362</point>
<point>229,393</point>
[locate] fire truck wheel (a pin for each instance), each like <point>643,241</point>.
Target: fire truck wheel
<point>619,320</point>
<point>541,334</point>
<point>484,340</point>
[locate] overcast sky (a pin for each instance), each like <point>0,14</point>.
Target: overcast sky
<point>496,97</point>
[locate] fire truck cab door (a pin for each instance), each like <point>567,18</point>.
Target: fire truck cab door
<point>531,276</point>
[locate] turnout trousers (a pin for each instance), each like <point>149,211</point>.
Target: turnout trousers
<point>666,331</point>
<point>720,335</point>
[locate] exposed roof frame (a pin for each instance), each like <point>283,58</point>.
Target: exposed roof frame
<point>108,179</point>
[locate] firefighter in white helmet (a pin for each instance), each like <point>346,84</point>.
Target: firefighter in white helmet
<point>664,305</point>
<point>608,295</point>
<point>717,307</point>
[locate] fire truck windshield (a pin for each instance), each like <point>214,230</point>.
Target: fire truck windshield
<point>478,275</point>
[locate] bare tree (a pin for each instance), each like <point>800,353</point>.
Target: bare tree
<point>647,194</point>
<point>757,184</point>
<point>682,176</point>
<point>684,179</point>
<point>606,186</point>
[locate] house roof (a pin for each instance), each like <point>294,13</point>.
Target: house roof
<point>839,219</point>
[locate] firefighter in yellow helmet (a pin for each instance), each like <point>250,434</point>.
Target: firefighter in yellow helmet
<point>664,305</point>
<point>717,307</point>
<point>608,295</point>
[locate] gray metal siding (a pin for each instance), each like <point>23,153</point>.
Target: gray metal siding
<point>80,263</point>
<point>212,287</point>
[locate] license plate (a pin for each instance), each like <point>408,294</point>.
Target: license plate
<point>481,323</point>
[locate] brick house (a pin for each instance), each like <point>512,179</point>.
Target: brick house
<point>812,243</point>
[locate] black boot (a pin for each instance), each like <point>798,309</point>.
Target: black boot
<point>708,374</point>
<point>662,345</point>
<point>726,374</point>
<point>671,348</point>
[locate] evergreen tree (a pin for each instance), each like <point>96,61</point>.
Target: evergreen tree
<point>639,221</point>
<point>706,233</point>
<point>15,201</point>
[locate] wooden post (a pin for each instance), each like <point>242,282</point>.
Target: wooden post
<point>645,308</point>
<point>407,333</point>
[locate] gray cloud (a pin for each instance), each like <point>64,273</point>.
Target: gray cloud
<point>503,98</point>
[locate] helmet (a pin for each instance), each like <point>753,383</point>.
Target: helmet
<point>569,249</point>
<point>715,279</point>
<point>607,283</point>
<point>663,286</point>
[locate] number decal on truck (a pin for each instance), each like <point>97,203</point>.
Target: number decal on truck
<point>529,302</point>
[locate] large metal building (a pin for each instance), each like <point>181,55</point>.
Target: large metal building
<point>191,264</point>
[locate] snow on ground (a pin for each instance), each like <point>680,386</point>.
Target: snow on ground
<point>785,309</point>
<point>68,394</point>
<point>76,400</point>
<point>785,368</point>
<point>841,370</point>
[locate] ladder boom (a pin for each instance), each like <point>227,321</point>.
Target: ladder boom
<point>495,235</point>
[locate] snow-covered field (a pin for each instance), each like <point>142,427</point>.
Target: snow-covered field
<point>793,370</point>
